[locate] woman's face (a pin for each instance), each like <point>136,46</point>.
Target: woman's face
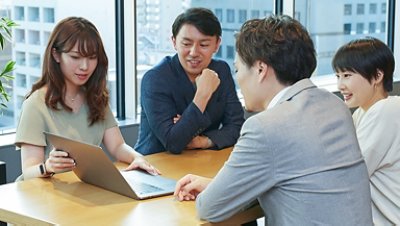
<point>357,91</point>
<point>76,68</point>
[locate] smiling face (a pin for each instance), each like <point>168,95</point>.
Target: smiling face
<point>357,91</point>
<point>77,69</point>
<point>195,49</point>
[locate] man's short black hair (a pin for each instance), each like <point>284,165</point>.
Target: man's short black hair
<point>203,19</point>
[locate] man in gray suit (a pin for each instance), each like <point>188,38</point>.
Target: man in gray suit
<point>299,157</point>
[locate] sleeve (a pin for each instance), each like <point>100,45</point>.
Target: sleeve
<point>248,173</point>
<point>160,108</point>
<point>31,124</point>
<point>233,118</point>
<point>376,134</point>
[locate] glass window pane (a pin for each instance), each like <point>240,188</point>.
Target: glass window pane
<point>36,20</point>
<point>231,14</point>
<point>329,34</point>
<point>360,9</point>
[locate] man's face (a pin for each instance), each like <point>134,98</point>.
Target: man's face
<point>248,80</point>
<point>195,49</point>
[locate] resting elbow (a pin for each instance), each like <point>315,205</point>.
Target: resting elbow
<point>209,214</point>
<point>174,149</point>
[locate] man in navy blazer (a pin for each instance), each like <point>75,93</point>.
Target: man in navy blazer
<point>189,100</point>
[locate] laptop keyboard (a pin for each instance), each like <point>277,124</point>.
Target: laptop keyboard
<point>144,188</point>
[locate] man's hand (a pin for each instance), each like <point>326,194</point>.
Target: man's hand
<point>206,84</point>
<point>202,142</point>
<point>189,186</point>
<point>198,141</point>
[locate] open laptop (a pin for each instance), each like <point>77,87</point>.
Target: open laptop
<point>94,167</point>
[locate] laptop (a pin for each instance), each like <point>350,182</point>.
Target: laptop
<point>94,167</point>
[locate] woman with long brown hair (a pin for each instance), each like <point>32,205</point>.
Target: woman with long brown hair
<point>71,99</point>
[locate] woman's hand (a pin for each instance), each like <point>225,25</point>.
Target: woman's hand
<point>59,161</point>
<point>189,186</point>
<point>141,163</point>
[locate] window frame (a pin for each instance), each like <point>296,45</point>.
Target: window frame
<point>281,7</point>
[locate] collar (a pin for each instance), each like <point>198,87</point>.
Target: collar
<point>277,97</point>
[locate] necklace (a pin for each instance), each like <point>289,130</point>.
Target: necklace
<point>74,98</point>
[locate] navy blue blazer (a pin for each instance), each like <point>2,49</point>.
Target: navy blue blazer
<point>167,91</point>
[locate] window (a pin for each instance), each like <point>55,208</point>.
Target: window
<point>34,60</point>
<point>372,27</point>
<point>267,13</point>
<point>218,14</point>
<point>230,15</point>
<point>20,58</point>
<point>383,27</point>
<point>329,28</point>
<point>372,8</point>
<point>360,28</point>
<point>36,20</point>
<point>347,9</point>
<point>347,29</point>
<point>19,13</point>
<point>19,35</point>
<point>148,55</point>
<point>219,53</point>
<point>33,14</point>
<point>48,15</point>
<point>255,13</point>
<point>230,52</point>
<point>34,37</point>
<point>383,8</point>
<point>20,80</point>
<point>360,9</point>
<point>242,15</point>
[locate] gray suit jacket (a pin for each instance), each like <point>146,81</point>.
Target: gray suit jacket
<point>300,159</point>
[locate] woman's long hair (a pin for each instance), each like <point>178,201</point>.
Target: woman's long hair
<point>65,35</point>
